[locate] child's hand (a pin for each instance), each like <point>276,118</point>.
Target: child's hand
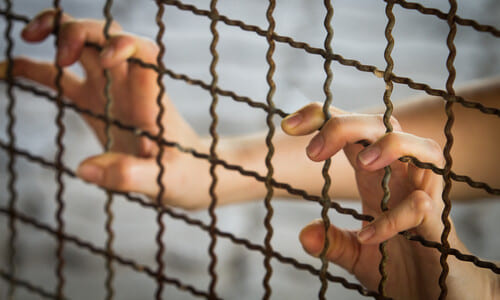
<point>415,205</point>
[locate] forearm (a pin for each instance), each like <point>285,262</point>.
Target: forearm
<point>476,135</point>
<point>474,150</point>
<point>290,165</point>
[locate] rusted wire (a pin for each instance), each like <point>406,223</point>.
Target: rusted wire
<point>161,150</point>
<point>102,252</point>
<point>266,250</point>
<point>340,59</point>
<point>442,15</point>
<point>195,153</point>
<point>464,257</point>
<point>299,45</point>
<point>108,206</point>
<point>293,191</point>
<point>447,148</point>
<point>6,275</point>
<point>213,148</point>
<point>11,184</point>
<point>391,21</point>
<point>287,187</point>
<point>59,156</point>
<point>270,150</point>
<point>240,241</point>
<point>325,172</point>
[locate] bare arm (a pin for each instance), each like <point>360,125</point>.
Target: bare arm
<point>474,151</point>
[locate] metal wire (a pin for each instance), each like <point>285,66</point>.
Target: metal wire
<point>270,150</point>
<point>213,148</point>
<point>256,176</point>
<point>442,15</point>
<point>447,148</point>
<point>391,20</point>
<point>59,156</point>
<point>236,240</point>
<point>325,198</point>
<point>269,253</point>
<point>7,275</point>
<point>340,59</point>
<point>161,150</point>
<point>309,49</point>
<point>108,206</point>
<point>451,251</point>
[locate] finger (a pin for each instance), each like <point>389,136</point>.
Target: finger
<point>346,129</point>
<point>72,38</point>
<point>42,25</point>
<point>120,172</point>
<point>121,47</point>
<point>344,247</point>
<point>44,74</point>
<point>394,145</point>
<point>411,213</point>
<point>307,120</point>
<point>304,121</point>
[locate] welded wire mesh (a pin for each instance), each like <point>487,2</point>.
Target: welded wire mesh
<point>160,273</point>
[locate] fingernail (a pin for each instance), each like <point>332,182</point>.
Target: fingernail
<point>366,233</point>
<point>3,70</point>
<point>315,146</point>
<point>107,53</point>
<point>369,155</point>
<point>293,120</point>
<point>90,173</point>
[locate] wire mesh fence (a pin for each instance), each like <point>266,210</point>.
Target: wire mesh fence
<point>160,273</point>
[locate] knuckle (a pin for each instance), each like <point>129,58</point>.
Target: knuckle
<point>421,202</point>
<point>334,126</point>
<point>389,222</point>
<point>393,141</point>
<point>315,105</point>
<point>435,151</point>
<point>70,30</point>
<point>122,174</point>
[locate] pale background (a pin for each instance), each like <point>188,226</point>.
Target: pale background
<point>420,53</point>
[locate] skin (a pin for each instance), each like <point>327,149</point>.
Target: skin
<point>415,204</point>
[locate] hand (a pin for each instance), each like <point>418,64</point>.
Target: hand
<point>131,163</point>
<point>415,204</point>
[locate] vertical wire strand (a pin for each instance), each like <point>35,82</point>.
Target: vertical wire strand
<point>270,150</point>
<point>447,149</point>
<point>387,123</point>
<point>159,157</point>
<point>325,198</point>
<point>11,185</point>
<point>213,147</point>
<point>59,156</point>
<point>110,236</point>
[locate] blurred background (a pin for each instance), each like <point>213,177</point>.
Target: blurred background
<point>420,53</point>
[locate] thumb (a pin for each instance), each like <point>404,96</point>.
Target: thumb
<point>344,248</point>
<point>120,172</point>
